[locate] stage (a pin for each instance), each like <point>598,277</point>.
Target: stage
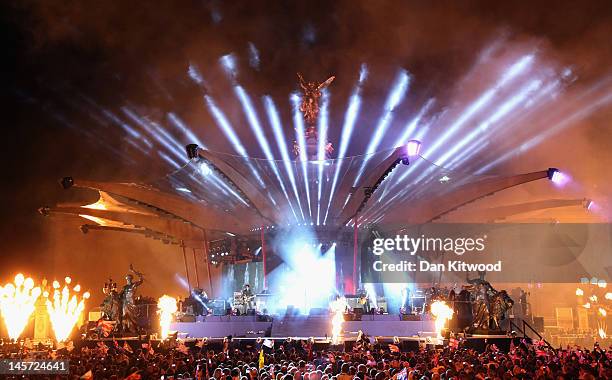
<point>301,326</point>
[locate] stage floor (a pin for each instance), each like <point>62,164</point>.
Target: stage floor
<point>301,327</point>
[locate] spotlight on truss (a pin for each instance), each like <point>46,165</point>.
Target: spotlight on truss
<point>413,147</point>
<point>192,151</point>
<point>557,177</point>
<point>67,182</point>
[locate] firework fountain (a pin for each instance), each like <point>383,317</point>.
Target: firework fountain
<point>593,296</point>
<point>65,309</point>
<point>17,301</point>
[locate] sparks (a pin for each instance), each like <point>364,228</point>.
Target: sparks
<point>579,292</point>
<point>64,310</point>
<point>17,301</point>
<point>602,333</point>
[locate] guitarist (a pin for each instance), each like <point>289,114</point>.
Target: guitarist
<point>248,298</point>
<point>364,302</point>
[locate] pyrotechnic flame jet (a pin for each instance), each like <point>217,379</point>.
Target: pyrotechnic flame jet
<point>17,301</point>
<point>166,307</point>
<point>64,310</point>
<point>338,307</point>
<point>442,312</point>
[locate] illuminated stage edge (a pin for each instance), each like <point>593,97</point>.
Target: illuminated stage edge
<point>301,327</point>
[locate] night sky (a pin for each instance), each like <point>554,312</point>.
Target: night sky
<point>63,59</point>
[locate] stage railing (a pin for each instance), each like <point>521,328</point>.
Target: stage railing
<point>525,327</point>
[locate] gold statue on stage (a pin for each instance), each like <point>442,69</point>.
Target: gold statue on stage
<point>310,100</point>
<point>310,109</point>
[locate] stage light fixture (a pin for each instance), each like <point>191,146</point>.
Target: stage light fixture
<point>588,204</point>
<point>192,151</point>
<point>554,175</point>
<point>67,182</point>
<point>413,147</point>
<point>558,177</point>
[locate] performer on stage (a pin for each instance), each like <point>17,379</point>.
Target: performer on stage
<point>463,307</point>
<point>199,301</point>
<point>247,298</point>
<point>364,302</point>
<point>112,303</point>
<point>128,306</point>
<point>490,305</point>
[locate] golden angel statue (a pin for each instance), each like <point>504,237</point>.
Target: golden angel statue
<point>310,100</point>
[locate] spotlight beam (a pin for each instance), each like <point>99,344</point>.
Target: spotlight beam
<point>169,160</point>
<point>282,145</point>
<point>131,131</point>
<point>323,125</point>
<point>509,75</point>
<point>509,106</point>
<point>221,185</point>
<point>350,117</point>
<point>412,168</point>
<point>375,177</point>
<point>226,128</point>
<point>532,104</point>
<point>298,120</point>
<point>242,183</point>
<point>228,62</point>
<point>180,125</point>
<point>589,107</point>
<point>253,119</point>
<point>397,94</point>
<point>162,137</point>
<point>195,75</point>
<point>515,70</point>
<point>412,125</point>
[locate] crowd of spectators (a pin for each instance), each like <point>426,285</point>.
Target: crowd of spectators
<point>301,360</point>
